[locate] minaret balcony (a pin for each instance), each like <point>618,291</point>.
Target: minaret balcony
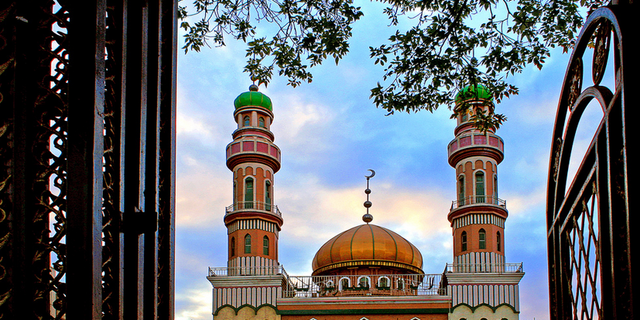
<point>253,206</point>
<point>476,200</point>
<point>475,143</point>
<point>247,271</point>
<point>253,150</point>
<point>500,268</point>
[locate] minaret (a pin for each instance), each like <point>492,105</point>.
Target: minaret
<point>252,220</point>
<point>481,284</point>
<point>253,279</point>
<point>478,215</point>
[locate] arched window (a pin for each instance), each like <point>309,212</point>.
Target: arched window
<point>265,245</point>
<point>345,283</point>
<point>495,188</point>
<point>247,243</point>
<point>267,195</point>
<point>248,193</point>
<point>400,284</point>
<point>246,121</point>
<point>461,191</point>
<point>233,246</point>
<point>235,200</point>
<point>498,241</point>
<point>363,282</point>
<point>463,240</point>
<point>261,122</point>
<point>479,187</point>
<point>383,282</point>
<point>482,239</point>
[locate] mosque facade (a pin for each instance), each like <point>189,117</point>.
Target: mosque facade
<point>367,272</point>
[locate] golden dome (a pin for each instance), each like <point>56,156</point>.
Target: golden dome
<point>368,245</point>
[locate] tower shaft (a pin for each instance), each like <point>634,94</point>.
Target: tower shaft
<point>253,221</point>
<point>477,215</point>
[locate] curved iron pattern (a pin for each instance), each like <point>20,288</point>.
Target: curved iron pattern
<point>590,221</point>
<point>87,149</point>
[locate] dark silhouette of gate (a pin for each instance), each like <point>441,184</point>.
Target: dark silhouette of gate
<point>591,215</point>
<point>87,147</point>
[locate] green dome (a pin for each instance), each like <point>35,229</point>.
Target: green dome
<point>474,92</point>
<point>253,98</point>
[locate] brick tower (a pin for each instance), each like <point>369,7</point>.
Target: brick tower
<point>477,216</point>
<point>253,276</point>
<point>252,220</point>
<point>482,285</point>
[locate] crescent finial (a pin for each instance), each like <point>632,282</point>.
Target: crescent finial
<point>373,173</point>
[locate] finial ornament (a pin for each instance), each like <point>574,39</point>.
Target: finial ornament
<point>367,204</point>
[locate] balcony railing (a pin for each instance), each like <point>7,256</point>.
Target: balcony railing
<point>365,285</point>
<point>254,205</point>
<point>478,200</point>
<point>484,268</point>
<point>247,271</point>
<point>465,141</point>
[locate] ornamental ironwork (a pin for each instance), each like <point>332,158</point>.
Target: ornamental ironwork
<point>589,215</point>
<point>87,148</point>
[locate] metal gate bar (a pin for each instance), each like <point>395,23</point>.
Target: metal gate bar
<point>87,159</point>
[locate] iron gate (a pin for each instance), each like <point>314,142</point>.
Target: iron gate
<point>590,221</point>
<point>87,148</point>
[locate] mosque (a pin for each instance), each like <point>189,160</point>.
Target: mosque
<point>367,272</point>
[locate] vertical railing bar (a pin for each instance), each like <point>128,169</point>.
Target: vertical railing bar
<point>113,301</point>
<point>86,47</point>
<point>152,154</point>
<point>166,164</point>
<point>135,161</point>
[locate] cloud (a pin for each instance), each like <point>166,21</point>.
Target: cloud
<point>202,192</point>
<point>194,303</point>
<point>313,217</point>
<point>302,125</point>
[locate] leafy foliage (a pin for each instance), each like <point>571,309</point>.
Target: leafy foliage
<point>307,33</point>
<point>424,66</point>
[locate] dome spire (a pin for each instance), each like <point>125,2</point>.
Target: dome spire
<point>367,204</point>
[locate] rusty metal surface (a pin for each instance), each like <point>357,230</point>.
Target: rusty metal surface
<point>87,159</point>
<point>590,217</point>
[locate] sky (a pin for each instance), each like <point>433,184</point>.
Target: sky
<point>330,133</point>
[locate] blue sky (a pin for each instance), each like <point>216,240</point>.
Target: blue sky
<point>330,134</point>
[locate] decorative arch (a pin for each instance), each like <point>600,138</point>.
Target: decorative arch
<point>364,282</point>
<point>235,310</point>
<point>344,283</point>
<point>384,282</point>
